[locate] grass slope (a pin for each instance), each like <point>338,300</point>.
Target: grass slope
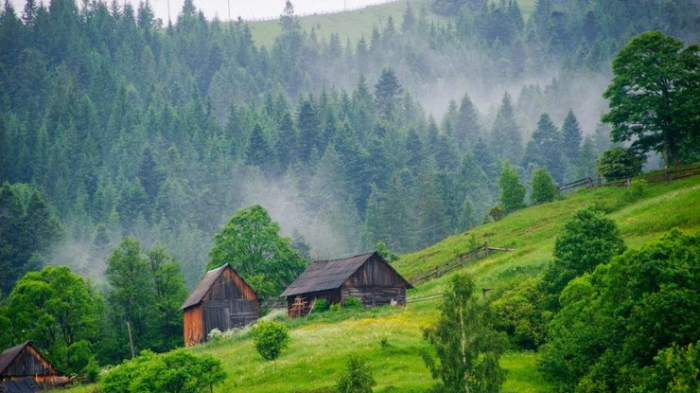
<point>356,24</point>
<point>320,343</point>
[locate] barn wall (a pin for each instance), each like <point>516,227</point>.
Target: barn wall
<point>194,330</point>
<point>29,363</point>
<point>333,296</point>
<point>375,284</point>
<point>230,303</point>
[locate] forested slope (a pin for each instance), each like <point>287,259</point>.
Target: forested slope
<point>124,127</point>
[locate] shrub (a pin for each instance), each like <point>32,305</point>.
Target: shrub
<point>518,316</point>
<point>270,338</point>
<point>636,190</point>
<point>542,187</point>
<point>352,302</point>
<point>335,307</point>
<point>383,341</point>
<point>322,305</point>
<point>177,371</point>
<point>357,376</point>
<point>497,212</point>
<point>618,163</point>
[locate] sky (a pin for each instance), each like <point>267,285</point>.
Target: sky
<point>247,9</point>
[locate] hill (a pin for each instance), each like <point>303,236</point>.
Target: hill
<point>391,338</point>
<point>356,24</point>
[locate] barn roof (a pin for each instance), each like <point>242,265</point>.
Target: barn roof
<point>9,355</point>
<point>205,285</point>
<point>331,274</point>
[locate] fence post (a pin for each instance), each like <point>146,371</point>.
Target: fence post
<point>668,175</point>
<point>590,183</point>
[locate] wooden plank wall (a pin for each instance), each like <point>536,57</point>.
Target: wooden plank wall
<point>29,363</point>
<point>376,296</point>
<point>193,325</point>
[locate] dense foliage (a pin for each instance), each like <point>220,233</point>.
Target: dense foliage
<point>542,187</point>
<point>59,312</point>
<point>587,240</point>
<point>617,320</point>
<point>178,371</point>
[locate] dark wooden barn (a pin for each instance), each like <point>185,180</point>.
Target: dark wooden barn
<point>222,300</point>
<point>367,277</point>
<point>24,369</point>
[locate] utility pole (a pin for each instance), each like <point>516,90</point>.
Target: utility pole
<point>131,340</point>
<point>229,10</point>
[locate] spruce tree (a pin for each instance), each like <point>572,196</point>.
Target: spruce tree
<point>506,141</point>
<point>572,137</point>
<point>512,195</point>
<point>387,93</point>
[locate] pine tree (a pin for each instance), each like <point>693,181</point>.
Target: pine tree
<point>545,148</point>
<point>505,135</point>
<point>572,137</point>
<point>467,128</point>
<point>387,93</point>
<point>309,126</point>
<point>258,152</point>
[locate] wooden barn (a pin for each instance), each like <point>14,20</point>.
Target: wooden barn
<point>24,369</point>
<point>367,277</point>
<point>222,300</point>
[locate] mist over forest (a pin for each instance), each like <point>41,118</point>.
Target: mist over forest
<point>112,125</point>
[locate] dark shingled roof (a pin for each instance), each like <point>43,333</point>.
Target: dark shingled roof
<point>325,275</point>
<point>9,355</point>
<point>203,287</point>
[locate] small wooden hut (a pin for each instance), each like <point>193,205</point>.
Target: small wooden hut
<point>24,369</point>
<point>222,300</point>
<point>367,277</point>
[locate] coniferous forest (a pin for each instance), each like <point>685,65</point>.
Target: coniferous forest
<point>123,135</point>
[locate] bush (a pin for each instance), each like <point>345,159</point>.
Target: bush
<point>619,163</point>
<point>357,377</point>
<point>497,212</point>
<point>270,339</point>
<point>335,307</point>
<point>542,187</point>
<point>177,371</point>
<point>352,302</point>
<point>636,190</point>
<point>518,316</point>
<point>322,305</point>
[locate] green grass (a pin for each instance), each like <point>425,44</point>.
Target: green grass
<point>320,343</point>
<point>356,24</point>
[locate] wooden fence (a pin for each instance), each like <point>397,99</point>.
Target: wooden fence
<point>455,263</point>
<point>661,176</point>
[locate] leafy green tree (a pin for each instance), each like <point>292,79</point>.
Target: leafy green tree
<point>252,245</point>
<point>588,240</point>
<point>270,339</point>
<point>618,163</point>
<point>357,376</point>
<point>512,193</point>
<point>542,187</point>
<point>655,80</point>
<point>676,370</point>
<point>615,320</point>
<point>59,311</point>
<point>465,343</point>
<point>517,314</point>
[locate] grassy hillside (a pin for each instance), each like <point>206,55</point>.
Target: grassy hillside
<point>320,343</point>
<point>356,24</point>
